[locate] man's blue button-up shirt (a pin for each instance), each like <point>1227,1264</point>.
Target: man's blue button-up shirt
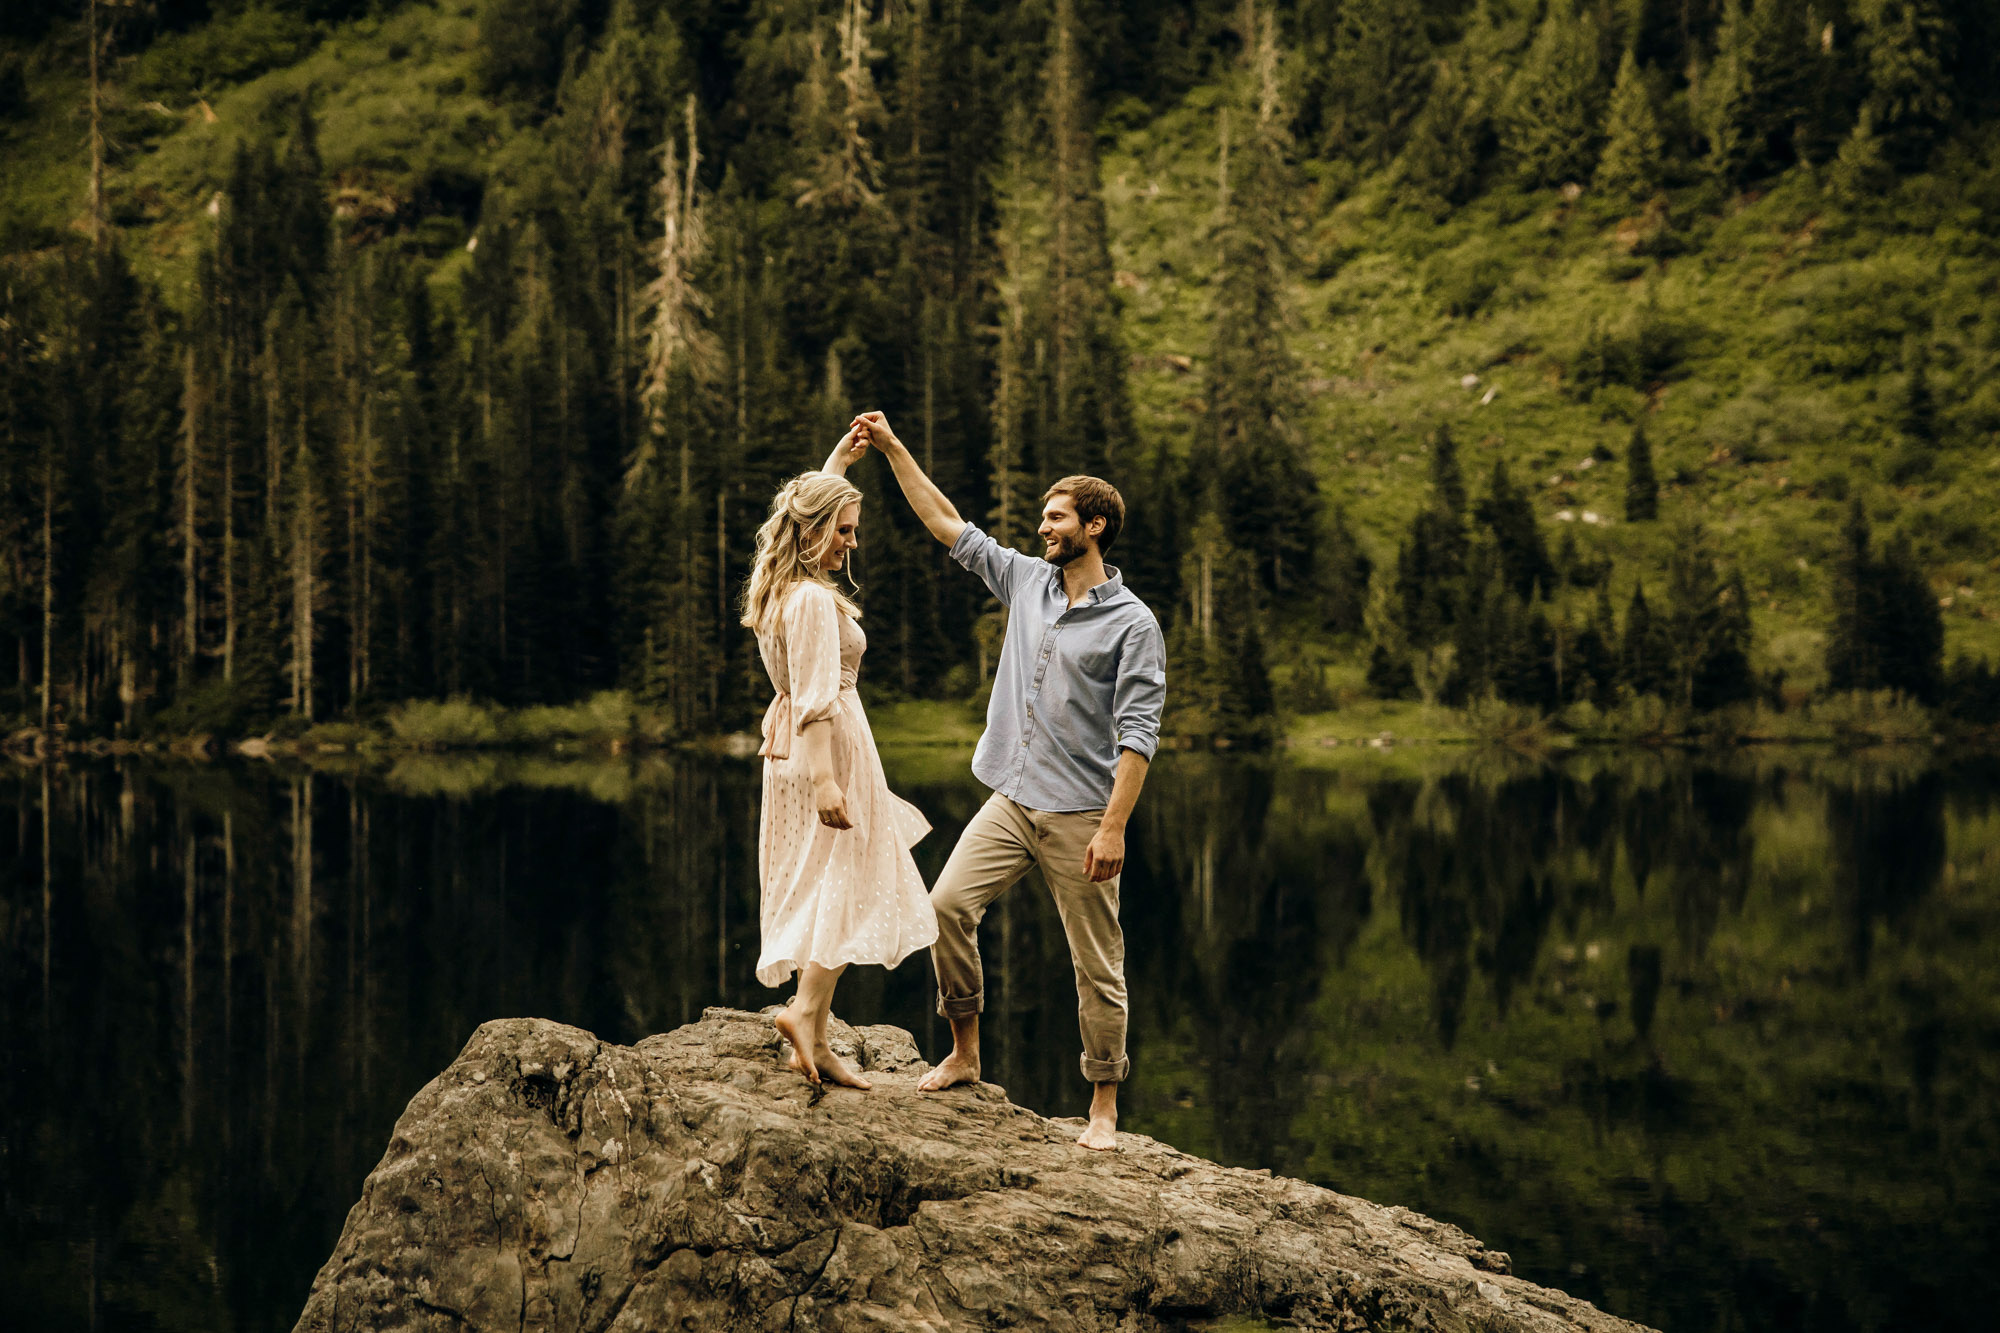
<point>1076,684</point>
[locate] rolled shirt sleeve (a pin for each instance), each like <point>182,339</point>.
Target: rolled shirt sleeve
<point>812,654</point>
<point>1000,566</point>
<point>1140,694</point>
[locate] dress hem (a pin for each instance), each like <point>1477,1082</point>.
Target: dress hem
<point>784,969</point>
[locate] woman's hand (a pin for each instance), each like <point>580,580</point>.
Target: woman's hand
<point>852,445</point>
<point>874,428</point>
<point>832,803</point>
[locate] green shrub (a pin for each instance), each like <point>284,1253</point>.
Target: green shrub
<point>1874,716</point>
<point>606,715</point>
<point>451,724</point>
<point>227,51</point>
<point>216,708</point>
<point>343,734</point>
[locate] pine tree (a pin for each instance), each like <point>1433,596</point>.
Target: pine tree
<point>1633,149</point>
<point>1720,99</point>
<point>1785,67</point>
<point>1092,420</point>
<point>1259,473</point>
<point>1862,170</point>
<point>1916,413</point>
<point>1909,91</point>
<point>1523,554</point>
<point>1377,78</point>
<point>1851,662</point>
<point>1440,162</point>
<point>1887,633</point>
<point>1642,488</point>
<point>1552,119</point>
<point>1909,632</point>
<point>1644,655</point>
<point>1447,478</point>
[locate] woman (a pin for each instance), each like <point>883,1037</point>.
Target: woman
<point>839,885</point>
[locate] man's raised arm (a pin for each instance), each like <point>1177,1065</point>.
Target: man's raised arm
<point>936,512</point>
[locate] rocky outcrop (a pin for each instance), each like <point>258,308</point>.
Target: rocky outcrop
<point>551,1181</point>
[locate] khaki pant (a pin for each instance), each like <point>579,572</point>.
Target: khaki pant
<point>998,846</point>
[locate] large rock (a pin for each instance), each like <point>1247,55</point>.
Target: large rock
<point>551,1181</point>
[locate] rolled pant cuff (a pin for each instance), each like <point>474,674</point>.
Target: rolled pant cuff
<point>961,1006</point>
<point>1106,1071</point>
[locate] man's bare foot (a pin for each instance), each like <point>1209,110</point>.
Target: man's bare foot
<point>836,1069</point>
<point>956,1069</point>
<point>793,1031</point>
<point>1100,1134</point>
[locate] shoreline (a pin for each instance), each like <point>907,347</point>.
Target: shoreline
<point>927,724</point>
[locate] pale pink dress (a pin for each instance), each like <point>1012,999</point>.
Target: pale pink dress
<point>831,896</point>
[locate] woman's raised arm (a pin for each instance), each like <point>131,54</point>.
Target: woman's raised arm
<point>852,445</point>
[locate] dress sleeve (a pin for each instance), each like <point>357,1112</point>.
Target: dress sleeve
<point>812,654</point>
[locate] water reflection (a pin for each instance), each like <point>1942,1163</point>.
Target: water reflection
<point>1712,1043</point>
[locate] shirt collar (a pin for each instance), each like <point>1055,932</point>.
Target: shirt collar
<point>1114,583</point>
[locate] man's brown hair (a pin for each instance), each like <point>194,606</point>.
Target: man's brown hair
<point>1094,498</point>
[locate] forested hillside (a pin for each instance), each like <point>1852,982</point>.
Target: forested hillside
<point>1616,359</point>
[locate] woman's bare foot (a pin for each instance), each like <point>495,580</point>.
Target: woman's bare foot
<point>956,1069</point>
<point>836,1069</point>
<point>793,1031</point>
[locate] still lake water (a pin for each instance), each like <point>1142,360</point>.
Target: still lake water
<point>1712,1041</point>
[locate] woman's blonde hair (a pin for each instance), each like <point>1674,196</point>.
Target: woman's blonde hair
<point>793,542</point>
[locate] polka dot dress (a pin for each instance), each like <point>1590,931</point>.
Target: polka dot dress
<point>831,896</point>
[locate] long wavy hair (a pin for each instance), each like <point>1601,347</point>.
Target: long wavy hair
<point>793,542</point>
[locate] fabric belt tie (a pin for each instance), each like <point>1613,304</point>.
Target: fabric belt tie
<point>778,728</point>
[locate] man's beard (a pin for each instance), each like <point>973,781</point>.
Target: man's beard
<point>1066,551</point>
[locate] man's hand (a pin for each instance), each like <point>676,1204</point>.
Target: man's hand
<point>875,429</point>
<point>1105,856</point>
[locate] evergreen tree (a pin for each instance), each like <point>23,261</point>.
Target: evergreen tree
<point>1786,74</point>
<point>1909,631</point>
<point>1092,417</point>
<point>1644,657</point>
<point>1707,626</point>
<point>1344,577</point>
<point>1552,119</point>
<point>1377,75</point>
<point>1851,659</point>
<point>1447,477</point>
<point>1887,633</point>
<point>1633,148</point>
<point>1720,99</point>
<point>1258,469</point>
<point>1916,413</point>
<point>1441,160</point>
<point>1909,91</point>
<point>1642,488</point>
<point>1595,657</point>
<point>1861,170</point>
<point>1522,553</point>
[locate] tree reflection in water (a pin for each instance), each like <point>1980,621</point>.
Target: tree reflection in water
<point>1710,1042</point>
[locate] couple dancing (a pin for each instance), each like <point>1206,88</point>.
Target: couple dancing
<point>1073,722</point>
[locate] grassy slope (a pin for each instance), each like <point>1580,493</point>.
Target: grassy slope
<point>1793,315</point>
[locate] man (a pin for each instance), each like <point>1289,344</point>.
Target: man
<point>1072,725</point>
